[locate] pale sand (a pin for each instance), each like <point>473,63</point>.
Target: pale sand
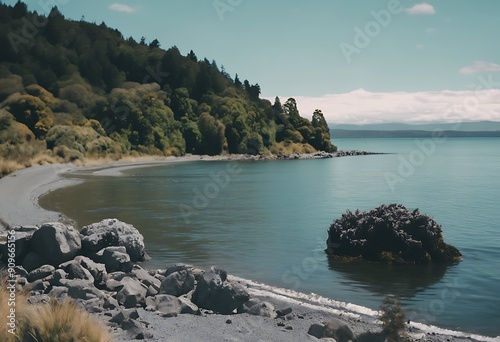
<point>19,193</point>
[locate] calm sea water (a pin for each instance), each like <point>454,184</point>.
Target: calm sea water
<point>268,221</point>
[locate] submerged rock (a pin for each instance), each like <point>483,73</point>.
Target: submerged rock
<point>392,234</point>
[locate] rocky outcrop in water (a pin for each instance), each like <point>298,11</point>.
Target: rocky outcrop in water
<point>391,234</point>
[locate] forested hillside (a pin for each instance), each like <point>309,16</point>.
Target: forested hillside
<point>71,90</point>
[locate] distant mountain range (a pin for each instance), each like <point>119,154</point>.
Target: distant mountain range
<point>400,130</point>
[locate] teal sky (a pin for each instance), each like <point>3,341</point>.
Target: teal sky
<point>294,48</point>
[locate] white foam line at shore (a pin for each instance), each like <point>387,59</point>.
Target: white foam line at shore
<point>317,302</point>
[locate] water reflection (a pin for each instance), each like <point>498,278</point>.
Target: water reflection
<point>402,281</point>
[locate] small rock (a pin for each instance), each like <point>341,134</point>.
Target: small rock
<point>338,330</point>
<point>229,321</point>
<point>316,330</point>
<point>132,294</point>
<point>40,273</point>
<point>264,309</point>
<point>177,283</point>
<point>283,312</point>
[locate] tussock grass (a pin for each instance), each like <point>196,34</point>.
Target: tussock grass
<point>55,321</point>
<point>9,166</point>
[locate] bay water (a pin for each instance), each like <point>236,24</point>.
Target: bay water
<point>268,221</point>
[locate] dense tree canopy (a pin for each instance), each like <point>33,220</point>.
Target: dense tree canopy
<point>82,89</point>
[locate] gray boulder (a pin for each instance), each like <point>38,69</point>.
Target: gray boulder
<point>169,306</point>
<point>132,294</point>
<point>58,292</point>
<point>188,307</point>
<point>370,336</point>
<point>111,232</point>
<point>57,242</point>
<point>81,289</point>
<point>316,330</point>
<point>97,270</point>
<point>220,296</point>
<point>177,283</point>
<point>339,331</point>
<point>75,270</point>
<point>22,244</point>
<point>32,261</point>
<point>264,309</point>
<point>144,277</point>
<point>40,273</point>
<point>115,259</point>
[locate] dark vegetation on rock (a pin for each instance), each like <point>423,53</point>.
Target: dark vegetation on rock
<point>80,90</point>
<point>391,234</point>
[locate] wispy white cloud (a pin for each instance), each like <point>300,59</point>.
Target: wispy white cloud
<point>363,107</point>
<point>420,46</point>
<point>421,9</point>
<point>118,7</point>
<point>480,66</point>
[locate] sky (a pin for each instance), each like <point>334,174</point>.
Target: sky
<point>364,61</point>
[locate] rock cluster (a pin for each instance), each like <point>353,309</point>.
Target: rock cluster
<point>353,153</point>
<point>97,268</point>
<point>389,233</point>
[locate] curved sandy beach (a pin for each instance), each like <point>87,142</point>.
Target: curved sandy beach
<point>19,193</point>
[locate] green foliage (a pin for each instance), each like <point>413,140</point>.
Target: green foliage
<point>393,320</point>
<point>34,113</point>
<point>98,94</point>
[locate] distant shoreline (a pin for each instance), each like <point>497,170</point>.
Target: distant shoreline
<point>371,134</point>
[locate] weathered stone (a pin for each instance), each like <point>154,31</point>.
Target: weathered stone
<point>370,336</point>
<point>132,294</point>
<point>110,303</point>
<point>176,268</point>
<point>264,309</point>
<point>284,312</point>
<point>188,307</point>
<point>123,315</point>
<point>316,330</point>
<point>57,242</point>
<point>76,271</point>
<point>81,289</point>
<point>177,283</point>
<point>133,328</point>
<point>248,304</point>
<point>33,261</point>
<point>41,273</point>
<point>22,247</point>
<point>20,271</point>
<point>38,286</point>
<point>169,306</point>
<point>144,277</point>
<point>111,232</point>
<point>97,270</point>
<point>338,330</point>
<point>58,292</point>
<point>115,259</point>
<point>38,299</point>
<point>214,294</point>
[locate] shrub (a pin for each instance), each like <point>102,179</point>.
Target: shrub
<point>55,321</point>
<point>393,320</point>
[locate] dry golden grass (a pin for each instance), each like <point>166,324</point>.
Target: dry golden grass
<point>61,322</point>
<point>9,166</point>
<point>288,147</point>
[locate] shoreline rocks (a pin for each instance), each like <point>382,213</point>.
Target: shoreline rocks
<point>96,268</point>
